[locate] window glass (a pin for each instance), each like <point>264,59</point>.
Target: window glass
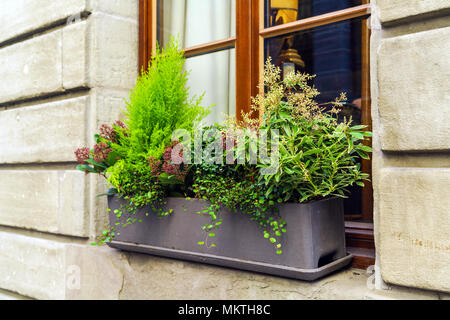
<point>331,52</point>
<point>284,11</point>
<point>214,75</point>
<point>196,22</point>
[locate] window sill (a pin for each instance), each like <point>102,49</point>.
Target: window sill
<point>360,243</point>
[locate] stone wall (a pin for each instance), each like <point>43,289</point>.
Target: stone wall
<point>60,81</point>
<point>410,65</point>
<point>66,67</point>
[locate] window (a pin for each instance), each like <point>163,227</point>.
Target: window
<point>226,43</point>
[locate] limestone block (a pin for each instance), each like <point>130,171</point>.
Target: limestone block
<point>414,224</point>
<point>149,277</point>
<point>100,271</point>
<point>98,205</point>
<point>124,8</point>
<point>19,17</point>
<point>391,10</point>
<point>402,293</point>
<point>45,200</point>
<point>46,269</point>
<point>48,132</point>
<point>112,274</point>
<point>7,295</point>
<point>109,104</point>
<point>75,54</point>
<point>414,91</point>
<point>32,67</point>
<point>46,64</point>
<point>32,267</point>
<point>114,48</point>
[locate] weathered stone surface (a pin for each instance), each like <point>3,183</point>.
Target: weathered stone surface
<point>100,270</point>
<point>149,277</point>
<point>444,296</point>
<point>42,65</point>
<point>98,206</point>
<point>414,94</point>
<point>51,201</point>
<point>32,67</point>
<point>420,25</point>
<point>391,10</point>
<point>113,50</point>
<point>46,269</point>
<point>49,132</point>
<point>124,8</point>
<point>32,267</point>
<point>19,17</point>
<point>414,224</point>
<point>402,293</point>
<point>110,274</point>
<point>45,199</point>
<point>7,295</point>
<point>75,53</point>
<point>109,105</point>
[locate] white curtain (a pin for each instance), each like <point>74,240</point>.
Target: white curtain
<point>198,22</point>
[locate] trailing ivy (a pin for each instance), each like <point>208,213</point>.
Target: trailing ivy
<point>236,188</point>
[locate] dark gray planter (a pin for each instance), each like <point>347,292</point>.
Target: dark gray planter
<point>313,246</point>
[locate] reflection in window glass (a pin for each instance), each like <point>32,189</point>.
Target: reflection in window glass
<point>214,75</point>
<point>285,11</point>
<point>196,22</point>
<point>333,54</point>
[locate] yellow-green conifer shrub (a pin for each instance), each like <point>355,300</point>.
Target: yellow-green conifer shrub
<point>159,104</point>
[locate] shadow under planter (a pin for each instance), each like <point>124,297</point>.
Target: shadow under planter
<point>313,246</point>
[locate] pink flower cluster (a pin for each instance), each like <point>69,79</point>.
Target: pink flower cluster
<point>109,133</point>
<point>167,165</point>
<point>120,124</point>
<point>155,166</point>
<point>82,155</point>
<point>101,151</point>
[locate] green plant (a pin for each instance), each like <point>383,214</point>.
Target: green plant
<point>158,105</point>
<point>129,156</point>
<point>102,155</point>
<point>235,187</point>
<point>318,157</point>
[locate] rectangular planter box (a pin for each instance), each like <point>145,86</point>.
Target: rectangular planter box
<point>313,246</point>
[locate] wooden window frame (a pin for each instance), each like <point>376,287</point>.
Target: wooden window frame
<point>249,44</point>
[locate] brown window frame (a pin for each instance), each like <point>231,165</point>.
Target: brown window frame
<point>249,45</point>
